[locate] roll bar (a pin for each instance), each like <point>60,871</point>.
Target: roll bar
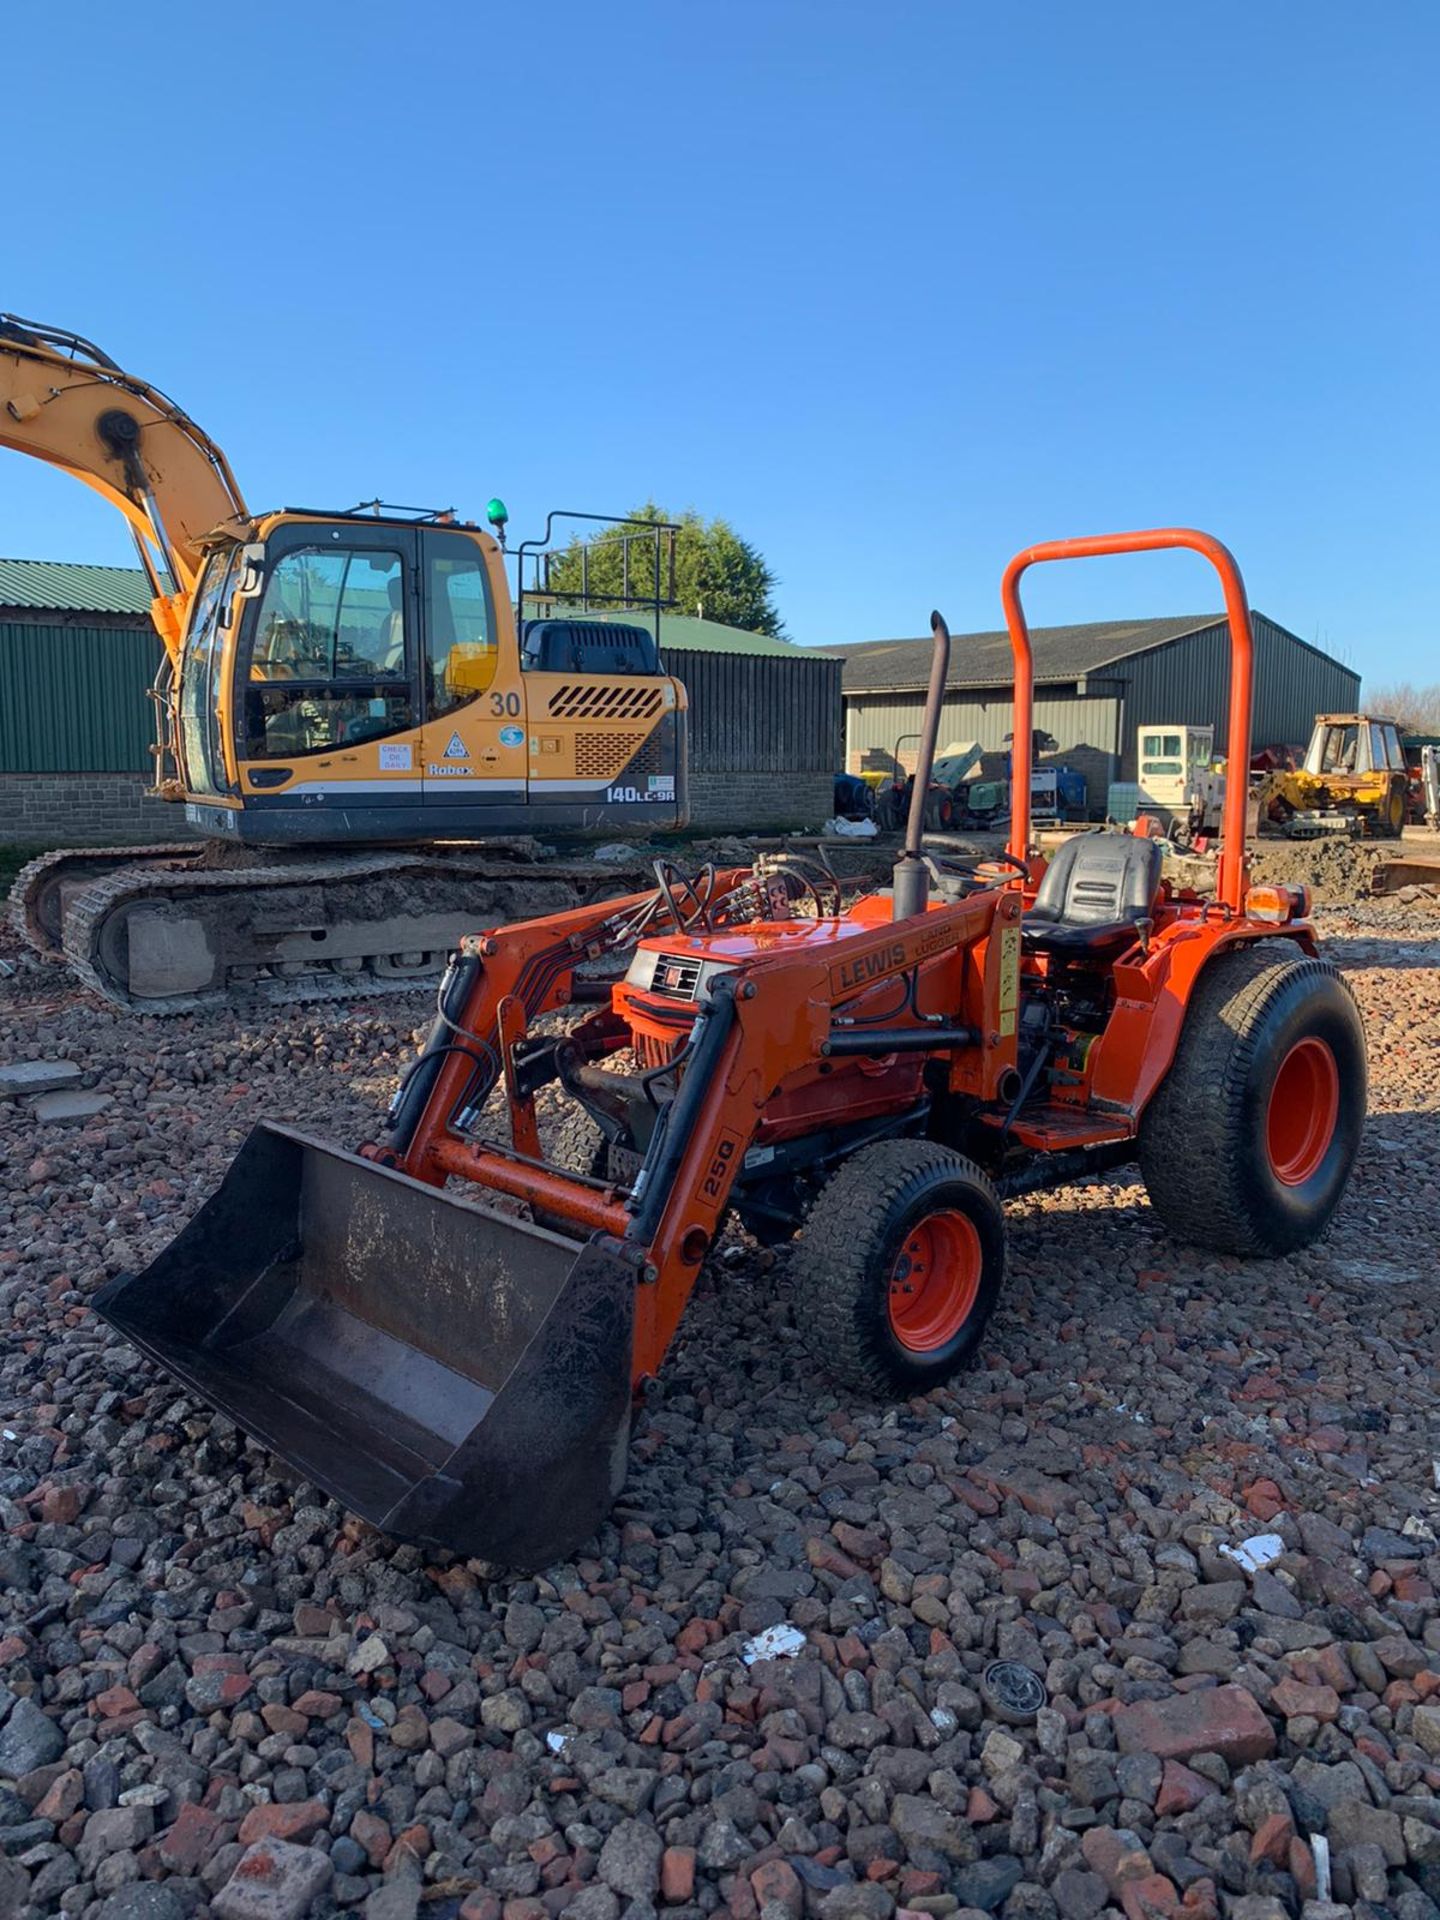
<point>1233,877</point>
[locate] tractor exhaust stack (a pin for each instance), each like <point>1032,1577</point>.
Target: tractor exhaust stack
<point>912,876</point>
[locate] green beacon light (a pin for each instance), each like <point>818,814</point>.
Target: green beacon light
<point>498,514</point>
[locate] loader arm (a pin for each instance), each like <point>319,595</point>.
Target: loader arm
<point>66,402</point>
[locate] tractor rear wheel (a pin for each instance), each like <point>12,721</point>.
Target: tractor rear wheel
<point>899,1267</point>
<point>1248,1144</point>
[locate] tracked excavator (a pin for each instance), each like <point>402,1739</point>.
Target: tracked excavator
<point>353,712</point>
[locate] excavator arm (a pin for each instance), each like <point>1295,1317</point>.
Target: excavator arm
<point>66,402</point>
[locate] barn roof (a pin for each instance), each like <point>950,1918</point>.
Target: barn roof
<point>63,587</point>
<point>983,659</point>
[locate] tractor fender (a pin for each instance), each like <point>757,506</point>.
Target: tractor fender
<point>1152,996</point>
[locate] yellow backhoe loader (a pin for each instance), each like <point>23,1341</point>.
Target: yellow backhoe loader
<point>352,711</point>
<point>1354,780</point>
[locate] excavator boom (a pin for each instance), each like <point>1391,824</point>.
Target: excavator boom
<point>66,402</point>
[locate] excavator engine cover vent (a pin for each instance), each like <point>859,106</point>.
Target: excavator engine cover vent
<point>584,701</point>
<point>600,756</point>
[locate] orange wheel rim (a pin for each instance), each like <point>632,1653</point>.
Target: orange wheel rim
<point>1304,1106</point>
<point>935,1280</point>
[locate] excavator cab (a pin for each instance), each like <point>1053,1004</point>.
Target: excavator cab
<point>362,676</point>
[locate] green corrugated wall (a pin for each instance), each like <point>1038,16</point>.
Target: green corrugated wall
<point>73,698</point>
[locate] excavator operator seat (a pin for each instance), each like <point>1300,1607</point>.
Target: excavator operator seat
<point>1095,893</point>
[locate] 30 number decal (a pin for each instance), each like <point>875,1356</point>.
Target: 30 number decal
<point>503,703</point>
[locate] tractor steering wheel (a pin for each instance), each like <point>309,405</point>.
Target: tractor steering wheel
<point>980,870</point>
<point>1007,860</point>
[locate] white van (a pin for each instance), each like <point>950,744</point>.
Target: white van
<point>1167,760</point>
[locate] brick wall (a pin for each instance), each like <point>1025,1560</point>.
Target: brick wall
<point>85,809</point>
<point>96,809</point>
<point>756,802</point>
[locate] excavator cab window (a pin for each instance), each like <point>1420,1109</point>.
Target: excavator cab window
<point>462,651</point>
<point>200,745</point>
<point>329,663</point>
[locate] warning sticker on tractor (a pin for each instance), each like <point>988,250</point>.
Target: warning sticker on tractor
<point>457,749</point>
<point>1009,979</point>
<point>395,759</point>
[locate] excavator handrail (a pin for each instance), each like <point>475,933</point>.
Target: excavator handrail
<point>1232,877</point>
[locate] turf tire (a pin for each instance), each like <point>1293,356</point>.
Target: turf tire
<point>844,1261</point>
<point>1203,1137</point>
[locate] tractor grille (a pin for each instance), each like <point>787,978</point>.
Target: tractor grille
<point>675,977</point>
<point>600,756</point>
<point>653,1052</point>
<point>583,700</point>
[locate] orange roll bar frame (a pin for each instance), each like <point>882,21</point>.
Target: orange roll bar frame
<point>1233,874</point>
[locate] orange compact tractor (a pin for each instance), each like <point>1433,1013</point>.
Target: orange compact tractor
<point>875,1079</point>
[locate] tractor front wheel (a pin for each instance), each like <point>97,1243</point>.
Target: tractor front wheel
<point>1248,1144</point>
<point>899,1267</point>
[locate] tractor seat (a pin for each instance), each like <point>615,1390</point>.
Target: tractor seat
<point>1095,891</point>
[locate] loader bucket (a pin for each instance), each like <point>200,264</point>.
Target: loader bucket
<point>448,1373</point>
<point>1390,876</point>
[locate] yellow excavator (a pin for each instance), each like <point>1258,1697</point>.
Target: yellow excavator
<point>359,722</point>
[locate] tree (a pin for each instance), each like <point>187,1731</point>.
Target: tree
<point>718,575</point>
<point>1416,709</point>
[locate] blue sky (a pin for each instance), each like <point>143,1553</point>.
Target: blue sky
<point>896,290</point>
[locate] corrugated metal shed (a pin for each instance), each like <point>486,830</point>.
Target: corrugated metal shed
<point>1096,686</point>
<point>62,587</point>
<point>1087,729</point>
<point>1189,682</point>
<point>73,696</point>
<point>750,714</point>
<point>983,659</point>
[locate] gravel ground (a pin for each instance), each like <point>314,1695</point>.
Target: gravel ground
<point>220,1696</point>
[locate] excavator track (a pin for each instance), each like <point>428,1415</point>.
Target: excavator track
<point>36,904</point>
<point>347,927</point>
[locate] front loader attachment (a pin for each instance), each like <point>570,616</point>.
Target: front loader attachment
<point>451,1374</point>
